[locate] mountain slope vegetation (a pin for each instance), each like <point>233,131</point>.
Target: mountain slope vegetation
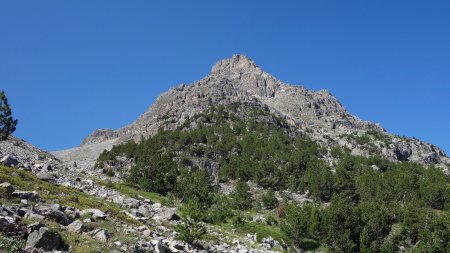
<point>357,204</point>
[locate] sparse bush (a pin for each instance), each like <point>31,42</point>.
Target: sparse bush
<point>238,220</point>
<point>194,210</point>
<point>271,221</point>
<point>220,211</point>
<point>110,172</point>
<point>269,200</point>
<point>5,193</point>
<point>362,140</point>
<point>190,231</point>
<point>11,244</point>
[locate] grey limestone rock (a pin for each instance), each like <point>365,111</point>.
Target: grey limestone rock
<point>76,227</point>
<point>7,188</point>
<point>10,160</point>
<point>8,225</point>
<point>30,195</point>
<point>96,214</point>
<point>45,239</point>
<point>46,176</point>
<point>101,234</point>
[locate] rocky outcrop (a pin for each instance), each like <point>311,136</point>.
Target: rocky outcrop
<point>9,160</point>
<point>45,239</point>
<point>100,135</point>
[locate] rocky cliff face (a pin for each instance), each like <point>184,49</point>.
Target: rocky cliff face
<point>240,80</point>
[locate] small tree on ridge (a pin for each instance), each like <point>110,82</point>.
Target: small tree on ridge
<point>7,123</point>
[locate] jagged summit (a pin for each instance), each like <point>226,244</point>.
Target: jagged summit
<point>237,62</point>
<point>239,80</point>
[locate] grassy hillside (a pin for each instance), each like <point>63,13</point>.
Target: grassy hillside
<point>65,196</point>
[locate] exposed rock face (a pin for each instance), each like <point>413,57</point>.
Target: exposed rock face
<point>240,80</point>
<point>233,80</point>
<point>100,135</point>
<point>403,152</point>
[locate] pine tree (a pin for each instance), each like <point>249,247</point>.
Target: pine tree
<point>7,123</point>
<point>314,223</point>
<point>364,246</point>
<point>241,197</point>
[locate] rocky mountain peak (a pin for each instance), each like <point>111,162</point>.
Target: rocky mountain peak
<point>238,62</point>
<point>239,80</point>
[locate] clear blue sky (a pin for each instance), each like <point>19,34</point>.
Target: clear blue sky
<point>70,67</point>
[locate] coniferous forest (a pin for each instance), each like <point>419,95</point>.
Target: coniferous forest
<point>359,204</point>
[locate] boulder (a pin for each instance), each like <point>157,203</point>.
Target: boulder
<point>6,188</point>
<point>22,211</point>
<point>159,246</point>
<point>141,247</point>
<point>26,195</point>
<point>166,214</point>
<point>47,167</point>
<point>76,227</point>
<point>176,246</point>
<point>131,203</point>
<point>45,176</point>
<point>402,152</point>
<point>9,160</point>
<point>432,158</point>
<point>101,235</point>
<point>145,211</point>
<point>118,200</point>
<point>8,225</point>
<point>44,239</point>
<point>59,217</point>
<point>72,213</point>
<point>96,214</point>
<point>34,227</point>
<point>34,216</point>
<point>25,167</point>
<point>53,212</point>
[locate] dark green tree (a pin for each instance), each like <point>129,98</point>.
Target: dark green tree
<point>314,223</point>
<point>241,198</point>
<point>269,200</point>
<point>7,123</point>
<point>155,172</point>
<point>318,180</point>
<point>343,225</point>
<point>364,244</point>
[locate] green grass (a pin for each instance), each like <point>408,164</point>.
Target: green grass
<point>261,231</point>
<point>83,243</point>
<point>22,180</point>
<point>51,193</point>
<point>87,244</point>
<point>133,192</point>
